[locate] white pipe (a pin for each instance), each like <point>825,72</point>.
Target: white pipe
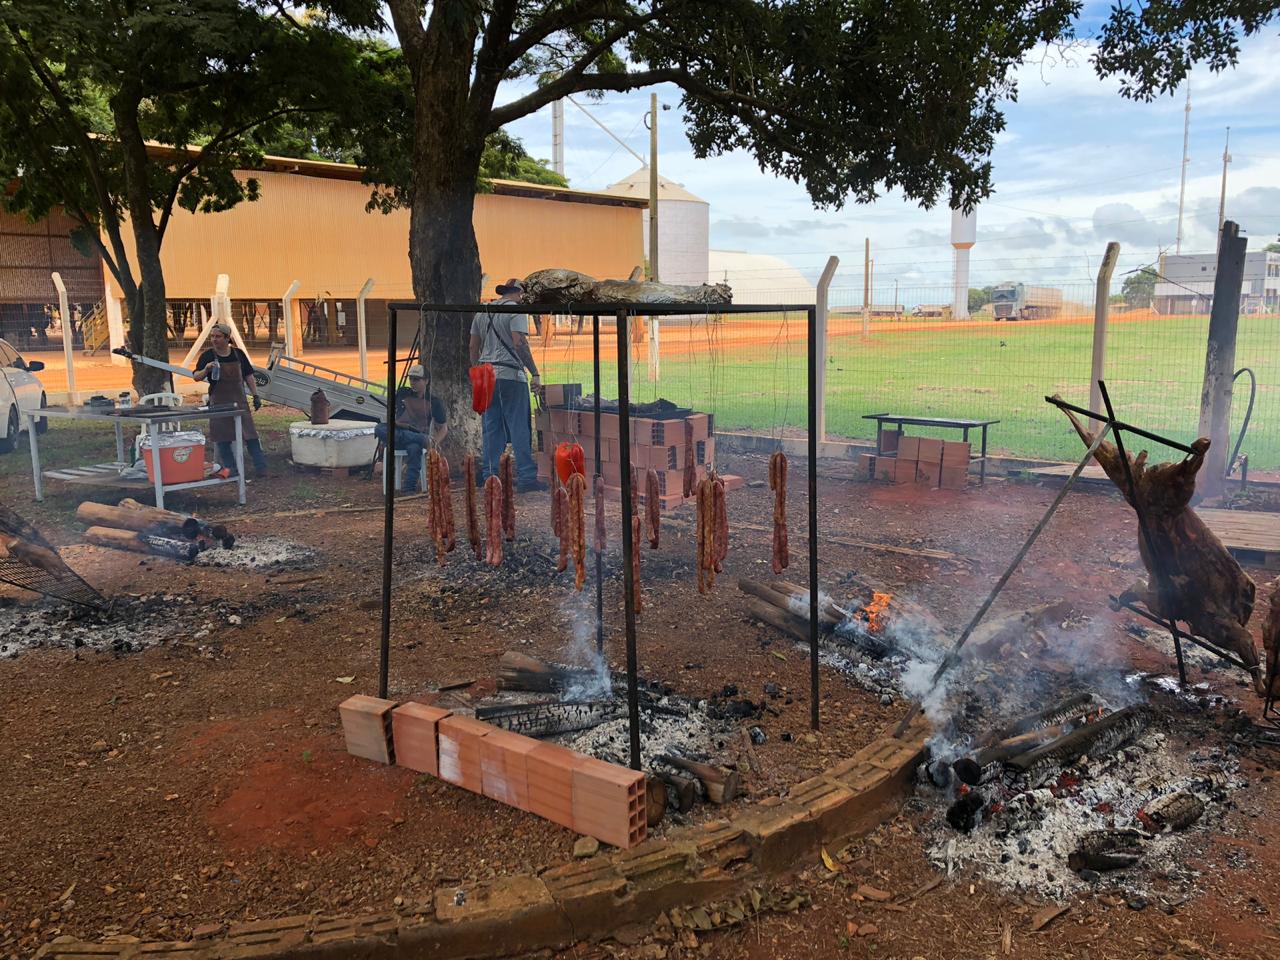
<point>821,302</point>
<point>68,350</point>
<point>361,341</point>
<point>286,315</point>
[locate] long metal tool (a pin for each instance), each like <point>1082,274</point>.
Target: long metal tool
<point>813,519</point>
<point>595,370</point>
<point>388,513</point>
<point>629,584</point>
<point>954,654</point>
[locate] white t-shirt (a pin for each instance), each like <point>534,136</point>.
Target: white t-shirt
<point>497,347</point>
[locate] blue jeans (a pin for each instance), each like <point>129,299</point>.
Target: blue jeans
<point>227,455</point>
<point>412,443</point>
<point>508,420</point>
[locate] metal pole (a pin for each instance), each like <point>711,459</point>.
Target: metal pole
<point>1101,312</point>
<point>389,507</point>
<point>362,328</point>
<point>68,349</point>
<point>595,354</point>
<point>557,137</point>
<point>1222,198</point>
<point>1182,188</point>
<point>286,317</point>
<point>823,302</point>
<point>813,517</point>
<point>1220,359</point>
<point>629,584</point>
<point>866,288</point>
<point>653,186</point>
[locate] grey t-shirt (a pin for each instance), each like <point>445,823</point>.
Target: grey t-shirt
<point>497,347</point>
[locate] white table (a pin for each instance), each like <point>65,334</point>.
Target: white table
<point>108,474</point>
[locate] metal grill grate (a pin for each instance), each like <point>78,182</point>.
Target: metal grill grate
<point>65,586</point>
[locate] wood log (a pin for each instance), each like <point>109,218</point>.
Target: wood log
<point>828,612</point>
<point>123,518</point>
<point>655,800</point>
<point>1193,577</point>
<point>788,623</point>
<point>720,783</point>
<point>135,542</point>
<point>971,769</point>
<point>192,526</point>
<point>682,790</point>
<point>788,602</point>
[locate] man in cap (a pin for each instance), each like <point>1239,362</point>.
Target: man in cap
<point>502,339</point>
<point>419,415</point>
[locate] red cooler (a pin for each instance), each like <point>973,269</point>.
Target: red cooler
<point>181,456</point>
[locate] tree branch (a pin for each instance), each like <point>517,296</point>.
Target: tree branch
<point>406,17</point>
<point>562,19</point>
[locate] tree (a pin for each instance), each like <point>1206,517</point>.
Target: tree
<point>846,97</point>
<point>1139,287</point>
<point>1272,248</point>
<point>90,86</point>
<point>979,297</point>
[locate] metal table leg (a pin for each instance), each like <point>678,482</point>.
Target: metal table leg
<point>119,442</point>
<point>153,435</point>
<point>240,457</point>
<point>34,442</point>
<point>983,469</point>
<point>879,438</point>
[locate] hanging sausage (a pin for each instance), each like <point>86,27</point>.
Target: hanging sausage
<point>778,484</point>
<point>493,517</point>
<point>577,494</point>
<point>652,506</point>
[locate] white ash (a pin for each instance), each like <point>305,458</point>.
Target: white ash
<point>696,735</point>
<point>132,624</point>
<point>260,553</point>
<point>1025,846</point>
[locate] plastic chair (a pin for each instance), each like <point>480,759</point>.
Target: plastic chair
<point>163,399</point>
<point>398,470</point>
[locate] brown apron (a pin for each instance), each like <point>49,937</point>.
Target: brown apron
<point>230,389</point>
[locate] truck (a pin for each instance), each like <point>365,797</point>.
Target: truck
<point>1019,301</point>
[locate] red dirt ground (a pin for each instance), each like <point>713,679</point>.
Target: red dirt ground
<point>224,791</point>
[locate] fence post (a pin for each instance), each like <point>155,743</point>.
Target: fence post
<point>68,348</point>
<point>820,335</point>
<point>115,328</point>
<point>289,320</point>
<point>1220,359</point>
<point>219,311</point>
<point>361,328</point>
<point>655,350</point>
<point>1101,311</point>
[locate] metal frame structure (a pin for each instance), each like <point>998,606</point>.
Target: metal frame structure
<point>621,312</point>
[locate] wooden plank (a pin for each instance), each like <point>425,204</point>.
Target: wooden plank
<point>1061,471</point>
<point>1250,533</point>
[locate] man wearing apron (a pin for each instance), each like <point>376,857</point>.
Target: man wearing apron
<point>229,371</point>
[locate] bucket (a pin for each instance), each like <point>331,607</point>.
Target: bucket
<point>181,456</point>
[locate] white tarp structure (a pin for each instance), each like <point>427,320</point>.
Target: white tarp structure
<point>759,278</point>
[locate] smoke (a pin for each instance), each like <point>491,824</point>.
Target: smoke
<point>594,683</point>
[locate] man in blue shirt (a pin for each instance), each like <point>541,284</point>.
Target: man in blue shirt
<point>419,416</point>
<point>502,339</point>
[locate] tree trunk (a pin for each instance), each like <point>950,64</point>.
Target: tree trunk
<point>148,325</point>
<point>445,259</point>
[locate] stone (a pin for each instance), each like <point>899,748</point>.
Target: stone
<point>868,930</point>
<point>586,847</point>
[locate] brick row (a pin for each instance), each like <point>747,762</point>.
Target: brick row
<point>587,795</point>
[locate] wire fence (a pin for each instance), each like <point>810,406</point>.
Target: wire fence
<point>911,355</point>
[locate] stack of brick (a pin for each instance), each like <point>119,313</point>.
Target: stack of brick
<point>586,795</point>
<point>655,444</point>
<point>921,460</point>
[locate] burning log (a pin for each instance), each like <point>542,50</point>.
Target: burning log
<point>1104,850</point>
<point>1193,577</point>
<point>550,719</point>
<point>1172,811</point>
<point>517,671</point>
<point>1075,706</point>
<point>132,515</point>
<point>721,784</point>
<point>1035,766</point>
<point>981,766</point>
<point>143,543</point>
<point>776,617</point>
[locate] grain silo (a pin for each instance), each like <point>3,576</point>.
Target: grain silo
<point>684,223</point>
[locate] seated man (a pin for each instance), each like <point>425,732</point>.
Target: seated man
<point>419,416</point>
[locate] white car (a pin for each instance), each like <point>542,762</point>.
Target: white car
<point>19,391</point>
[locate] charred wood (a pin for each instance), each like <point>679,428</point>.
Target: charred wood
<point>549,719</point>
<point>1101,736</point>
<point>721,784</point>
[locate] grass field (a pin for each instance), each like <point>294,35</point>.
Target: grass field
<point>988,371</point>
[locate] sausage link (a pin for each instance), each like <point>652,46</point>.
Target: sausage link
<point>578,532</point>
<point>652,506</point>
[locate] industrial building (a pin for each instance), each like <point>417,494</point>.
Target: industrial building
<point>310,226</point>
<point>1186,283</point>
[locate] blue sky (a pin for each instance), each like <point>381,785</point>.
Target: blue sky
<point>1076,166</point>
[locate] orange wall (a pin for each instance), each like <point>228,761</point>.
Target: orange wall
<point>315,230</point>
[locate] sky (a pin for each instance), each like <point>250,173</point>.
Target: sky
<point>1076,167</point>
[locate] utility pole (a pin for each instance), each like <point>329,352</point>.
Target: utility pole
<point>557,137</point>
<point>866,288</point>
<point>1182,190</point>
<point>1222,197</point>
<point>653,186</point>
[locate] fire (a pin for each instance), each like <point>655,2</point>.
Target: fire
<point>879,603</point>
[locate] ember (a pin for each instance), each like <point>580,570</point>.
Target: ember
<point>871,612</point>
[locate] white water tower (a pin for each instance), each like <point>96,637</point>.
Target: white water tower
<point>964,234</point>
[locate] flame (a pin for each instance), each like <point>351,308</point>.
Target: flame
<point>879,603</point>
